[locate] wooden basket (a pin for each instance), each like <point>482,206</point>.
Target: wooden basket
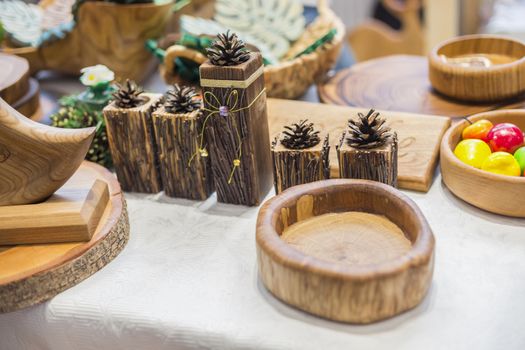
<point>481,84</point>
<point>288,79</point>
<point>106,33</point>
<point>359,271</point>
<point>495,193</point>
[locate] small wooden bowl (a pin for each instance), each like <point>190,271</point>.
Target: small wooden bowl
<point>498,194</point>
<point>328,283</point>
<point>481,84</point>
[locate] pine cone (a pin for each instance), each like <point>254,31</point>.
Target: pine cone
<point>181,100</point>
<point>128,95</point>
<point>368,131</point>
<point>227,50</point>
<point>300,136</point>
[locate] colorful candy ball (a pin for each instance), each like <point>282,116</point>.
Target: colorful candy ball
<point>505,137</point>
<point>502,163</point>
<point>472,152</point>
<point>477,130</point>
<point>520,157</point>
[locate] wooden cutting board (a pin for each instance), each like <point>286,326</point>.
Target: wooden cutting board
<point>31,274</point>
<point>14,77</point>
<point>419,135</point>
<point>397,83</point>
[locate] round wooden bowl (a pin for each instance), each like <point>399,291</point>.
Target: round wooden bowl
<point>348,250</point>
<point>504,79</point>
<point>498,194</point>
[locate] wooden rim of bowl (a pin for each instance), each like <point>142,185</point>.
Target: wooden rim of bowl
<point>447,148</point>
<point>436,60</point>
<point>270,241</point>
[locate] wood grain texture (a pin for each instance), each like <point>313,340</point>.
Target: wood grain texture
<point>378,164</point>
<point>71,214</point>
<point>177,137</point>
<point>252,179</point>
<point>419,135</point>
<point>495,193</point>
<point>387,41</point>
<point>397,83</point>
<point>29,104</point>
<point>106,33</point>
<point>14,77</point>
<point>295,167</point>
<point>485,84</point>
<point>35,159</point>
<point>132,143</point>
<point>338,290</point>
<point>54,268</point>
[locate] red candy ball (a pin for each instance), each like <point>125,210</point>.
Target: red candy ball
<point>505,137</point>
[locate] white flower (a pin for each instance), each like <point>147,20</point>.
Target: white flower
<point>94,75</point>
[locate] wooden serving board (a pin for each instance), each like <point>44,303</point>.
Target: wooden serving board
<point>31,274</point>
<point>14,77</point>
<point>419,135</point>
<point>397,83</point>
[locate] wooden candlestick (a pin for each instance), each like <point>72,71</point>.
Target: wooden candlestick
<point>132,144</point>
<point>237,130</point>
<point>293,167</point>
<point>185,172</point>
<point>377,164</point>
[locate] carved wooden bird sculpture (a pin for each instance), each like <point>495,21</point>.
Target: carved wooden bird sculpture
<point>36,159</point>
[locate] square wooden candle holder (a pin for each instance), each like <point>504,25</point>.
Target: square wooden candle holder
<point>132,145</point>
<point>293,167</point>
<point>377,164</point>
<point>185,172</point>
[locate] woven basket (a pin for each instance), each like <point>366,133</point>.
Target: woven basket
<point>290,78</point>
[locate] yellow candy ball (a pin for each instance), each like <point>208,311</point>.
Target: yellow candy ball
<point>472,152</point>
<point>502,163</point>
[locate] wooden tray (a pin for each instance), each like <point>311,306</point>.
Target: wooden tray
<point>419,136</point>
<point>397,83</point>
<point>349,250</point>
<point>496,193</point>
<point>54,268</point>
<point>14,77</point>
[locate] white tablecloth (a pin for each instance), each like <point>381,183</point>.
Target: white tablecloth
<point>188,280</point>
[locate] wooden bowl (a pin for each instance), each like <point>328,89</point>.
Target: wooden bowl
<point>354,251</point>
<point>498,194</point>
<point>504,79</point>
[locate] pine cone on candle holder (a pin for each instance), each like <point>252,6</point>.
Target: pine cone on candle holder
<point>181,100</point>
<point>227,50</point>
<point>300,135</point>
<point>368,131</point>
<point>128,95</point>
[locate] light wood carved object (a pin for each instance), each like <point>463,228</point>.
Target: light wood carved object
<point>374,39</point>
<point>353,251</point>
<point>31,274</point>
<point>35,159</point>
<point>495,193</point>
<point>482,68</point>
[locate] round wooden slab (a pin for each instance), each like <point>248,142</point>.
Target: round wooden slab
<point>14,77</point>
<point>32,274</point>
<point>396,83</point>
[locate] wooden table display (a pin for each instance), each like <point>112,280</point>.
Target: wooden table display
<point>419,135</point>
<point>397,83</point>
<point>53,268</point>
<point>237,130</point>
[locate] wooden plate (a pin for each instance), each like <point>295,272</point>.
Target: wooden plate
<point>419,135</point>
<point>348,250</point>
<point>14,77</point>
<point>53,268</point>
<point>397,83</point>
<point>502,78</point>
<point>492,192</point>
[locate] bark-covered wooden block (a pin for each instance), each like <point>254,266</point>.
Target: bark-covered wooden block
<point>293,167</point>
<point>132,144</point>
<point>185,172</point>
<point>237,130</point>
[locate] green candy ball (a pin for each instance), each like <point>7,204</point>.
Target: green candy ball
<point>520,157</point>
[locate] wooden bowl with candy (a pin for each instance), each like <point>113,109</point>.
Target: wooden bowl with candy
<point>354,251</point>
<point>497,184</point>
<point>481,68</point>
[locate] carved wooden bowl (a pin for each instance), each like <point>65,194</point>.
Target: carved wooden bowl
<point>458,68</point>
<point>348,250</point>
<point>498,194</point>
